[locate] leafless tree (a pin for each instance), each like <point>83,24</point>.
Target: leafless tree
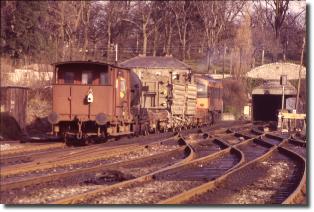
<point>276,11</point>
<point>141,18</point>
<point>215,16</point>
<point>182,11</point>
<point>243,47</point>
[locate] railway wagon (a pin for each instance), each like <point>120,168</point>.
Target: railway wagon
<point>168,97</point>
<point>209,99</point>
<point>91,99</point>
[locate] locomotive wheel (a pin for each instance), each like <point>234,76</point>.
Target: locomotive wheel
<point>97,140</point>
<point>68,140</point>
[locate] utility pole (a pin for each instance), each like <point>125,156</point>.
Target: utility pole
<point>230,60</point>
<point>223,67</point>
<point>116,49</point>
<point>299,81</point>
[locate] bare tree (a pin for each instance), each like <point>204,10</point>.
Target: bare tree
<point>168,26</point>
<point>142,12</point>
<point>114,11</point>
<point>243,47</point>
<point>275,18</point>
<point>215,16</point>
<point>276,11</point>
<point>182,11</point>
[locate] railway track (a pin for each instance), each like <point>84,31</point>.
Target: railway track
<point>30,148</point>
<point>135,190</point>
<point>49,188</point>
<point>297,146</point>
<point>271,177</point>
<point>32,153</point>
<point>218,166</point>
<point>155,187</point>
<point>86,159</point>
<point>65,157</point>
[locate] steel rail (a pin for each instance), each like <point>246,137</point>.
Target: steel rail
<point>58,176</point>
<point>183,197</point>
<point>101,155</point>
<point>147,178</point>
<point>31,149</point>
<point>77,198</point>
<point>292,198</point>
<point>178,199</point>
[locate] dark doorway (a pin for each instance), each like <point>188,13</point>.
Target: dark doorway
<point>266,107</point>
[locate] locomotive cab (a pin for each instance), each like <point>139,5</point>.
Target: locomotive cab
<point>209,100</point>
<point>91,99</point>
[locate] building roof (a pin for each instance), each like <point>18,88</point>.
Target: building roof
<point>162,62</point>
<point>273,71</point>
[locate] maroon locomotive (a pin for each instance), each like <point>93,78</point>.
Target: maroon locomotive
<point>91,99</point>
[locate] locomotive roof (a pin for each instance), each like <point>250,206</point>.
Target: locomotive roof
<point>161,62</point>
<point>79,62</point>
<point>205,77</point>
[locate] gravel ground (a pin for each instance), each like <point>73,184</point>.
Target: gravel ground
<point>5,147</point>
<point>299,149</point>
<point>206,147</point>
<point>167,184</point>
<point>232,139</point>
<point>52,191</point>
<point>252,150</point>
<point>149,150</point>
<point>272,140</point>
<point>202,171</point>
<point>144,193</point>
<point>268,182</point>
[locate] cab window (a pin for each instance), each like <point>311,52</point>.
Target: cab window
<point>68,77</point>
<point>87,77</point>
<point>104,78</point>
<point>201,91</point>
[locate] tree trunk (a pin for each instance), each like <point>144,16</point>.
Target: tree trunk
<point>95,49</point>
<point>85,43</point>
<point>136,43</point>
<point>109,42</point>
<point>155,40</point>
<point>62,30</point>
<point>56,49</point>
<point>144,40</point>
<point>169,39</point>
<point>223,62</point>
<point>231,58</point>
<point>189,52</point>
<point>240,64</point>
<point>184,43</point>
